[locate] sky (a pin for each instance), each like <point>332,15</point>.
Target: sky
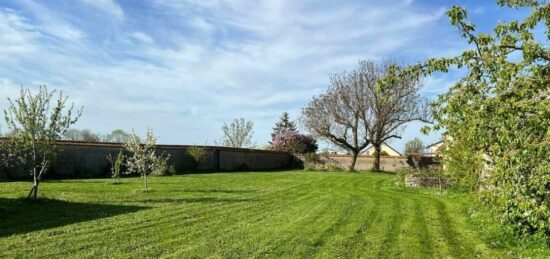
<point>184,67</point>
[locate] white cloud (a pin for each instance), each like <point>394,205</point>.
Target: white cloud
<point>252,60</point>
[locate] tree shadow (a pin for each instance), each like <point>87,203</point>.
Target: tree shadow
<point>19,216</point>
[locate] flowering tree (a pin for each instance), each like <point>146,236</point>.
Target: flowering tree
<point>294,142</point>
<point>36,122</point>
<point>142,157</point>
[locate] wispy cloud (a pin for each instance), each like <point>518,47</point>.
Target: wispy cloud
<point>185,66</point>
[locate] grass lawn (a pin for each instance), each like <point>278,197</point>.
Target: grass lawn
<point>280,214</point>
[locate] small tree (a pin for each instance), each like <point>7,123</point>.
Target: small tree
<point>198,154</point>
<point>414,146</point>
<point>116,165</point>
<point>36,123</point>
<point>238,133</point>
<point>142,159</point>
<point>283,125</point>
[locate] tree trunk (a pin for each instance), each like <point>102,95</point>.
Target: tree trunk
<point>34,190</point>
<point>376,164</point>
<point>353,160</point>
<point>145,179</point>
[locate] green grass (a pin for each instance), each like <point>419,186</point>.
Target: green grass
<point>236,215</point>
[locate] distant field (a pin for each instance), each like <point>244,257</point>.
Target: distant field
<point>283,214</point>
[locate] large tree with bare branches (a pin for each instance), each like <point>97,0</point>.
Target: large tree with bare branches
<point>341,115</point>
<point>394,104</point>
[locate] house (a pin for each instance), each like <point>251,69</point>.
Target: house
<point>386,150</point>
<point>435,148</point>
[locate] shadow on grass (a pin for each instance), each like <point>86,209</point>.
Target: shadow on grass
<point>197,200</point>
<point>219,191</point>
<point>18,216</point>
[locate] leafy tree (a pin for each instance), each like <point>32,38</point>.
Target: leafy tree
<point>81,135</point>
<point>500,111</point>
<point>118,136</point>
<point>238,133</point>
<point>142,157</point>
<point>414,146</point>
<point>36,121</point>
<point>293,142</point>
<point>341,115</point>
<point>283,125</point>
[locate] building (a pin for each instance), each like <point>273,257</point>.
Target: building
<point>386,150</point>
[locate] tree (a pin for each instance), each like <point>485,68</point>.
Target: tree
<point>283,125</point>
<point>238,133</point>
<point>341,114</point>
<point>118,136</point>
<point>499,113</point>
<point>36,122</point>
<point>116,165</point>
<point>294,142</point>
<point>394,104</point>
<point>414,147</point>
<point>142,159</point>
<point>81,135</point>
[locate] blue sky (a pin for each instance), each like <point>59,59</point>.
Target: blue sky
<point>183,67</point>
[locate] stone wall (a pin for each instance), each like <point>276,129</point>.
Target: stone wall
<point>387,163</point>
<point>89,160</point>
<point>416,181</point>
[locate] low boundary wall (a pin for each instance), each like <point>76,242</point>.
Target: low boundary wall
<point>387,163</point>
<point>89,160</point>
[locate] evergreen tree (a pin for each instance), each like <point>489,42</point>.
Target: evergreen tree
<point>283,125</point>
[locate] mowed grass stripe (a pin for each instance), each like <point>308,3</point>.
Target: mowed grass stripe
<point>242,215</point>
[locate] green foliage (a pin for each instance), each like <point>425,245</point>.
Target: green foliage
<point>501,110</point>
<point>414,146</point>
<point>198,154</point>
<point>35,122</point>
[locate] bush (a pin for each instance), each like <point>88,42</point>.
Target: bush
<point>161,167</point>
<point>198,154</point>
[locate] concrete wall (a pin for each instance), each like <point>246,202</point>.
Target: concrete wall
<point>387,163</point>
<point>89,160</point>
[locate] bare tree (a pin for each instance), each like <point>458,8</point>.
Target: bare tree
<point>341,115</point>
<point>238,133</point>
<point>36,123</point>
<point>394,103</point>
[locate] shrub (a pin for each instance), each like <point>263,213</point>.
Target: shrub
<point>414,146</point>
<point>116,165</point>
<point>161,167</point>
<point>198,154</point>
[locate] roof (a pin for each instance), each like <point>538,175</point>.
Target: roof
<point>393,149</point>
